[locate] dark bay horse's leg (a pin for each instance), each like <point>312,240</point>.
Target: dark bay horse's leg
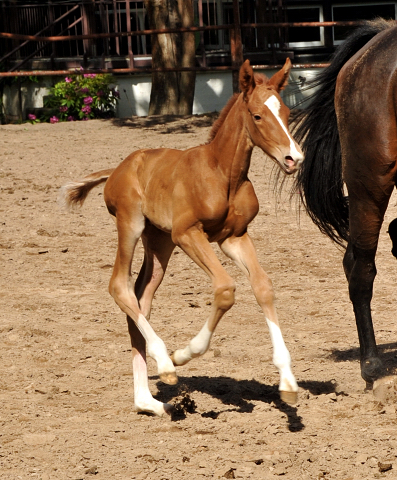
<point>360,272</point>
<point>367,208</point>
<point>364,104</point>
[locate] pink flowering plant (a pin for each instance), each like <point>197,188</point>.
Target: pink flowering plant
<point>33,119</point>
<point>82,97</point>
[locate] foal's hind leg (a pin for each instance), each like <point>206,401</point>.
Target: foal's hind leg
<point>158,248</point>
<point>130,225</point>
<point>242,251</point>
<point>143,400</point>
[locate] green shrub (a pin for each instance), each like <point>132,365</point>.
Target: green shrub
<point>81,97</point>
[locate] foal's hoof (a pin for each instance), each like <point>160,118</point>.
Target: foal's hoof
<point>371,369</point>
<point>155,408</point>
<point>170,378</point>
<point>289,397</point>
<point>178,359</point>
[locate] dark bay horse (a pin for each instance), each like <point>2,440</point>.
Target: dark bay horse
<point>191,198</point>
<point>349,136</point>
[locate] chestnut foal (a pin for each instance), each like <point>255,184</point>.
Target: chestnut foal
<point>191,198</point>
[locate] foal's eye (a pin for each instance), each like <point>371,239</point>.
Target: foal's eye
<point>257,117</point>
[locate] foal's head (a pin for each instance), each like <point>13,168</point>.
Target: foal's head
<point>267,115</point>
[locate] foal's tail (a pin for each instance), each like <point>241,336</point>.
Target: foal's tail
<point>319,180</point>
<point>74,193</point>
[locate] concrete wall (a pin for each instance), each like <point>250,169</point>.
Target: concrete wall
<point>32,95</point>
<point>213,89</point>
<point>211,93</point>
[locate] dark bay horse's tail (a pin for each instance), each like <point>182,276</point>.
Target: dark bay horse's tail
<point>319,180</point>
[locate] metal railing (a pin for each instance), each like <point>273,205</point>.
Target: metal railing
<point>116,30</point>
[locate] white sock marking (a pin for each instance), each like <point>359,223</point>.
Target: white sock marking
<point>197,346</point>
<point>282,358</point>
<point>155,346</point>
<point>143,400</point>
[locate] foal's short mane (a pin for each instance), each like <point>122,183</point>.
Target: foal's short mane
<point>260,79</point>
<point>218,123</point>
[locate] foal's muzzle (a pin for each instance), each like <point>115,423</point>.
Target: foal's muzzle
<point>291,164</point>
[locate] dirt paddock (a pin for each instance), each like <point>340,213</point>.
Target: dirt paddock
<point>66,378</point>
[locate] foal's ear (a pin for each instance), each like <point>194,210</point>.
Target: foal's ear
<point>246,79</point>
<point>280,79</point>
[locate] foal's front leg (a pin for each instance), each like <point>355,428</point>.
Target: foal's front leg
<point>158,249</point>
<point>195,244</point>
<point>242,251</point>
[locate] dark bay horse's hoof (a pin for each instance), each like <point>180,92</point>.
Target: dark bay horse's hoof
<point>371,369</point>
<point>392,231</point>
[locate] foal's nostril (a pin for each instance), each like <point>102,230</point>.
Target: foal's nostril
<point>289,161</point>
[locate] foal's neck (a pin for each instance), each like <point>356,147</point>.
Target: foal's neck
<point>232,144</point>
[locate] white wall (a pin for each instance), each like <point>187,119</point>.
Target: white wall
<point>32,95</point>
<point>212,91</point>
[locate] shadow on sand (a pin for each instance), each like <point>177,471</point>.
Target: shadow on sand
<point>387,352</point>
<point>166,124</point>
<point>239,395</point>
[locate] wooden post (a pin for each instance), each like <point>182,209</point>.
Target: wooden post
<point>52,31</point>
<point>328,31</point>
<point>129,39</point>
<point>201,23</point>
<point>88,13</point>
<point>116,26</point>
<point>236,47</point>
<point>104,29</point>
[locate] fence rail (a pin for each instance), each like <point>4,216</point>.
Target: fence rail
<point>122,38</point>
<point>36,38</point>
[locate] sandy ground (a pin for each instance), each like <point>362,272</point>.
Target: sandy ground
<point>66,378</point>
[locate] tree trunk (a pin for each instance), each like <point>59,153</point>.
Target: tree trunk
<point>172,92</point>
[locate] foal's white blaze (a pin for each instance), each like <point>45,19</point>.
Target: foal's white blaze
<point>282,359</point>
<point>197,346</point>
<point>273,104</point>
